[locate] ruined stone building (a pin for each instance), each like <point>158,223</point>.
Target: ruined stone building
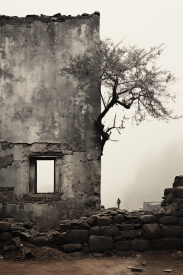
<point>43,116</point>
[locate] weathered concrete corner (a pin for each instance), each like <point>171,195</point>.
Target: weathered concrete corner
<point>44,115</point>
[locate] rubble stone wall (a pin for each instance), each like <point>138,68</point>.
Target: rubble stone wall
<point>45,115</point>
<point>111,231</point>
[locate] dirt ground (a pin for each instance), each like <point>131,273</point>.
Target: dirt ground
<point>50,261</point>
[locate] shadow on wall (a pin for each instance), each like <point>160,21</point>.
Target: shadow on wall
<point>155,172</point>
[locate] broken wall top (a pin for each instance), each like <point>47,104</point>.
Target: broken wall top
<point>38,104</point>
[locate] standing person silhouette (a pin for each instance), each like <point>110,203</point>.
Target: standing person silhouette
<point>118,202</point>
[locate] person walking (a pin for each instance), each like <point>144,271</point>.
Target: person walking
<point>118,202</point>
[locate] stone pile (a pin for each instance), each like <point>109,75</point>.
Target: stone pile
<point>110,231</point>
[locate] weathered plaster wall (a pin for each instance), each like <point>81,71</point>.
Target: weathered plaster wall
<point>45,114</point>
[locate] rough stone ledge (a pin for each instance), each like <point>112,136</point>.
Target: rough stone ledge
<point>15,20</point>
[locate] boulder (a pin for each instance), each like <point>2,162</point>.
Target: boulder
<point>100,243</point>
<point>70,247</point>
<point>148,219</point>
<point>77,236</point>
<point>139,245</point>
<point>95,230</point>
<point>119,218</point>
<point>151,231</point>
<point>39,241</point>
<point>104,220</point>
<point>109,230</point>
<point>125,226</point>
<point>168,220</point>
<point>130,234</point>
<point>4,226</point>
<point>122,245</point>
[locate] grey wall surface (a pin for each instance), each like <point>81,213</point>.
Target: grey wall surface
<point>44,114</point>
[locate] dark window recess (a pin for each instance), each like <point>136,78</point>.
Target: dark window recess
<point>42,175</point>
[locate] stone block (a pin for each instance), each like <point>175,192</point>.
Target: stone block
<point>33,232</point>
<point>151,231</point>
<point>181,212</point>
<point>155,244</point>
<point>104,220</point>
<point>100,243</point>
<point>70,247</point>
<point>39,241</point>
<point>138,233</point>
<point>65,225</point>
<point>148,219</point>
<point>119,218</point>
<point>25,236</point>
<point>17,242</point>
<point>110,230</point>
<point>122,245</point>
<point>28,225</point>
<point>178,192</point>
<point>95,230</point>
<point>57,238</point>
<point>85,249</point>
<point>4,226</point>
<point>168,220</point>
<point>180,204</point>
<point>139,245</point>
<point>167,191</point>
<point>172,243</point>
<point>171,211</point>
<point>178,181</point>
<point>180,221</point>
<point>125,226</point>
<point>92,220</point>
<point>161,211</point>
<point>84,225</point>
<point>117,238</point>
<point>172,231</point>
<point>6,236</point>
<point>130,234</point>
<point>78,236</point>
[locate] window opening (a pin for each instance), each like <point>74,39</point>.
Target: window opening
<point>45,176</point>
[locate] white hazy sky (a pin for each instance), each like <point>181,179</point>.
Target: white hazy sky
<point>146,158</point>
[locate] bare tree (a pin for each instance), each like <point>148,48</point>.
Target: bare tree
<point>131,79</point>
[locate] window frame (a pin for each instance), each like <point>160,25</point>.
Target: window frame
<point>33,173</point>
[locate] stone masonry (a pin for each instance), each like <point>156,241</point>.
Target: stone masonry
<point>44,115</point>
<point>110,231</point>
